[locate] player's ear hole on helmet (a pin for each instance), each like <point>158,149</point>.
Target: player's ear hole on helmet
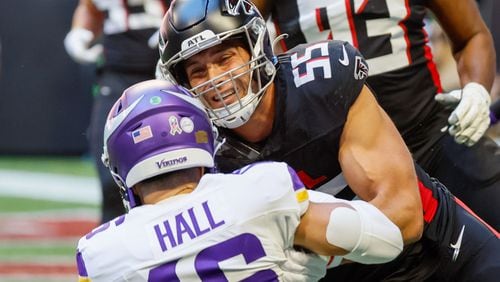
<point>120,106</point>
<point>135,127</point>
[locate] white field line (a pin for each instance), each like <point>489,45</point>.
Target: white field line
<point>49,186</point>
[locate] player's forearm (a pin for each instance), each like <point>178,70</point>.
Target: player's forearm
<point>476,60</point>
<point>378,167</point>
<point>386,178</point>
<point>354,229</point>
<point>404,209</point>
<point>87,16</point>
<point>396,195</point>
<point>472,44</point>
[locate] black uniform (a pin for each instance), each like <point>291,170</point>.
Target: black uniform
<point>316,85</point>
<point>391,37</point>
<point>127,59</point>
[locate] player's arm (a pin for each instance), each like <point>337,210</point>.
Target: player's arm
<point>378,166</point>
<point>87,25</point>
<point>264,7</point>
<point>471,41</point>
<point>87,16</point>
<point>356,230</point>
<point>472,47</point>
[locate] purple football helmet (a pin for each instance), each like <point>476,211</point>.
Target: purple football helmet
<point>154,128</point>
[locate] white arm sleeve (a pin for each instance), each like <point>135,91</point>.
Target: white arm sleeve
<point>363,230</point>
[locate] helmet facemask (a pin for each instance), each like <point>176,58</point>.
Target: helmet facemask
<point>260,70</point>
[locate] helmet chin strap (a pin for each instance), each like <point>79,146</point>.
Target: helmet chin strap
<point>277,40</point>
<point>240,114</point>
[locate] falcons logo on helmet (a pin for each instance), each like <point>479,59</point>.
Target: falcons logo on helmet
<point>233,7</point>
<point>360,69</point>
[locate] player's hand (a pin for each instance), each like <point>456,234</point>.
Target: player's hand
<point>470,119</point>
<point>302,266</point>
<point>154,40</point>
<point>78,44</point>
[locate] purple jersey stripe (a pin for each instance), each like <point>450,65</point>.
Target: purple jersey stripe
<point>297,184</point>
<point>82,270</point>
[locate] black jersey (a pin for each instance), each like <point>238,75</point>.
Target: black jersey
<point>315,86</point>
<point>391,37</point>
<point>128,26</point>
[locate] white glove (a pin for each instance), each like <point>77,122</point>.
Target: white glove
<point>78,45</point>
<point>302,266</point>
<point>470,119</point>
<point>154,40</point>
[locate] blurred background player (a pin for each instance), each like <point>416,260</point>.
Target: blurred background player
<point>121,37</point>
<point>184,225</point>
<point>391,36</point>
<point>310,108</point>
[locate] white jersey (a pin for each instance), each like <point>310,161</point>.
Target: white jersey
<point>231,227</point>
<point>131,14</point>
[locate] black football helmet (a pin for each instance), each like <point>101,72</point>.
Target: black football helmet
<point>191,26</point>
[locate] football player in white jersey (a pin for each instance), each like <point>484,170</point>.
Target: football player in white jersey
<point>187,223</point>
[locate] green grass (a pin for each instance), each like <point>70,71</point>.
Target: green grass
<point>52,250</point>
<point>16,204</point>
<point>78,166</point>
<point>17,252</point>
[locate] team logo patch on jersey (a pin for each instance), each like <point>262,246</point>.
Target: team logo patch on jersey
<point>360,69</point>
<point>174,125</point>
<point>142,134</point>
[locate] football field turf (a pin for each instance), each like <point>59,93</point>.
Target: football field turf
<point>46,204</point>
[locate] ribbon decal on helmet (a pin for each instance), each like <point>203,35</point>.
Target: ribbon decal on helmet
<point>174,125</point>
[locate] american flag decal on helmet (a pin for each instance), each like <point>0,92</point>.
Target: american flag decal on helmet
<point>142,134</point>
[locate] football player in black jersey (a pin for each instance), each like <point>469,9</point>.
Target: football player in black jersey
<point>392,38</point>
<point>310,107</point>
<point>128,54</point>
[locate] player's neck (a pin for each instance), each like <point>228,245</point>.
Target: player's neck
<point>260,125</point>
<point>153,197</point>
